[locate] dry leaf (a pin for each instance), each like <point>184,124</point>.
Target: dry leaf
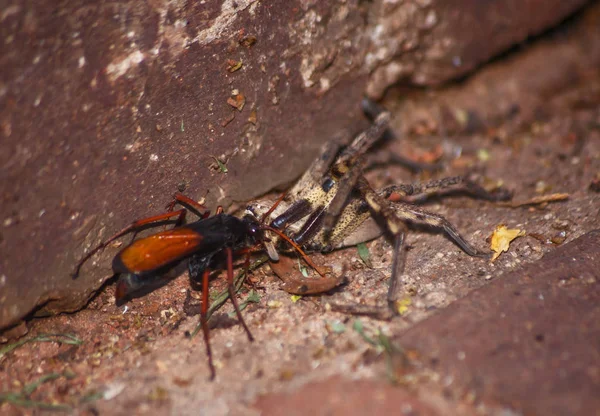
<point>402,305</point>
<point>252,119</point>
<point>501,239</point>
<point>233,66</point>
<point>237,101</point>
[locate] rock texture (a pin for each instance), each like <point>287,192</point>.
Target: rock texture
<point>108,108</point>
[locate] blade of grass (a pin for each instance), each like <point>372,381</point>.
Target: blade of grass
<point>359,328</point>
<point>365,256</point>
<point>22,398</point>
<point>60,338</point>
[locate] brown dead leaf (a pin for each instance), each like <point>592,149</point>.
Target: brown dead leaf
<point>252,118</point>
<point>228,120</point>
<point>296,284</point>
<point>237,101</point>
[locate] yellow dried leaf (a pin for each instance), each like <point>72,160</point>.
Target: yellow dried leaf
<point>403,304</point>
<point>501,239</point>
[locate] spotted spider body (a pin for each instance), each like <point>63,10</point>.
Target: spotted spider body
<point>332,205</point>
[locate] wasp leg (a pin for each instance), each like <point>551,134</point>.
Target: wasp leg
<point>204,322</point>
<point>232,296</point>
<point>133,227</point>
<point>189,203</point>
<point>248,252</point>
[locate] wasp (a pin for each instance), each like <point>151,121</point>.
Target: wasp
<point>207,243</point>
<point>333,205</point>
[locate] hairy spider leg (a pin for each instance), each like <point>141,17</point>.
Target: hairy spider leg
<point>410,213</point>
<point>372,110</point>
<point>318,168</point>
<point>398,229</point>
<point>395,226</point>
<point>396,214</point>
<point>348,166</point>
<point>420,191</point>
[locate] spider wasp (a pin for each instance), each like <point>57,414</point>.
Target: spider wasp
<point>207,243</point>
<point>333,206</point>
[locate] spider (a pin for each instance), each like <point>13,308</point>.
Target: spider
<point>333,206</point>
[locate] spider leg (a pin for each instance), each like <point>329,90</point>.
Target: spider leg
<point>316,171</point>
<point>345,186</point>
<point>312,190</point>
<point>361,144</point>
<point>381,159</point>
<point>396,215</point>
<point>372,110</point>
<point>395,225</point>
<point>348,166</point>
<point>413,214</point>
<point>420,191</point>
<point>398,229</point>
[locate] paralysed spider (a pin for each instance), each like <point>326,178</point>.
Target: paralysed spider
<point>333,206</point>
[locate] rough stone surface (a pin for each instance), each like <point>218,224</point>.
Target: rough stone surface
<point>106,109</point>
<point>136,358</point>
<point>428,42</point>
<point>527,342</point>
<point>557,73</point>
<point>336,396</point>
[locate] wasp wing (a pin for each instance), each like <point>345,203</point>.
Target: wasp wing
<point>158,251</point>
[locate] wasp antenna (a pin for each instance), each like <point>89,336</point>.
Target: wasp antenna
<point>85,258</point>
<point>297,248</point>
<point>270,211</point>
